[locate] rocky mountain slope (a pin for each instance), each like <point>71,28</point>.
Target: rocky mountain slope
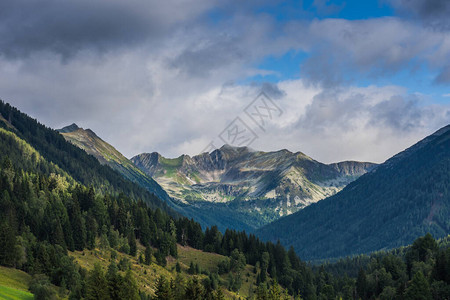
<point>263,185</point>
<point>400,200</point>
<point>106,154</point>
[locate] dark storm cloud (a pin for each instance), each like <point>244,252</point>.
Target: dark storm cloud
<point>403,114</point>
<point>399,113</point>
<point>325,68</point>
<point>272,90</point>
<point>161,81</point>
<point>329,109</point>
<point>66,27</point>
<point>434,13</point>
<point>207,56</point>
<point>342,51</point>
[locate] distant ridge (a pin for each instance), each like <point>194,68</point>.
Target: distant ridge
<point>254,187</point>
<point>402,199</point>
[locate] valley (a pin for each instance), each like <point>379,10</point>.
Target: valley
<point>79,227</point>
<point>230,187</point>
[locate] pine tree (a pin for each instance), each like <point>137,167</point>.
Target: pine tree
<point>96,285</point>
<point>178,287</point>
<point>163,291</point>
<point>419,289</point>
<point>144,226</point>
<point>197,269</point>
<point>261,292</point>
<point>41,288</point>
<point>194,290</point>
<point>7,244</point>
<point>219,294</point>
<point>275,291</point>
<point>129,288</point>
<point>160,258</point>
<point>114,281</point>
<point>91,230</point>
<point>148,255</point>
<point>104,243</point>
<point>361,284</point>
<point>78,225</point>
<point>132,243</point>
<point>191,269</point>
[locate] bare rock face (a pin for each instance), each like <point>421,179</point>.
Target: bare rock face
<point>353,168</point>
<point>264,184</point>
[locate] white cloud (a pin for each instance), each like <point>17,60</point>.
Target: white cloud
<point>354,123</point>
<point>343,49</point>
<point>174,92</point>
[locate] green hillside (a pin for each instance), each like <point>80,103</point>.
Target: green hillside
<point>14,284</point>
<point>147,275</point>
<point>14,278</point>
<point>82,167</point>
<point>402,199</point>
<point>8,293</point>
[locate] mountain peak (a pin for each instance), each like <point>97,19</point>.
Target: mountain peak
<point>70,128</point>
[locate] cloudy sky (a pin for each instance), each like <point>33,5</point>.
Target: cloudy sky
<point>358,80</point>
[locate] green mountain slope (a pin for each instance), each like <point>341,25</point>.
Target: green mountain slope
<point>14,284</point>
<point>80,166</point>
<point>402,199</point>
<point>254,187</point>
<point>108,155</point>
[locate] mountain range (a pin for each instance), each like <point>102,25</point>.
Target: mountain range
<point>400,200</point>
<point>231,187</point>
<point>366,207</point>
<point>266,185</point>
